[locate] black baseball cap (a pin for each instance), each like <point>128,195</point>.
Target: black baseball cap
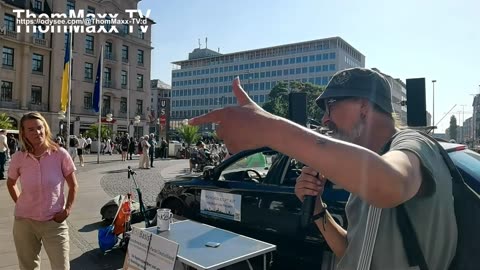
<point>358,82</point>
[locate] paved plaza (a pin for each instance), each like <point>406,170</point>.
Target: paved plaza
<point>98,183</point>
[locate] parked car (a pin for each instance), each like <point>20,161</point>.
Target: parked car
<point>252,193</point>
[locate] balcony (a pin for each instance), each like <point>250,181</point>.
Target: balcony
<point>10,34</point>
<point>40,42</point>
<point>122,114</point>
<point>108,84</point>
<point>10,104</point>
<point>38,107</point>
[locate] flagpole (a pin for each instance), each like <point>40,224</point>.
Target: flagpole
<point>128,99</point>
<point>69,88</point>
<point>100,100</point>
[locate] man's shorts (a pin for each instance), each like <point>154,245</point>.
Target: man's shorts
<point>80,152</point>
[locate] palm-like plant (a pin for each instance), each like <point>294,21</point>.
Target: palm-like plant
<point>5,121</point>
<point>189,134</point>
<point>92,132</point>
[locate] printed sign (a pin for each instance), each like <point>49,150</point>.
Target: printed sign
<point>162,254</point>
<point>224,205</point>
<point>138,248</point>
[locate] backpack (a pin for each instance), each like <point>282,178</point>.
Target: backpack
<point>467,215</point>
<point>73,142</point>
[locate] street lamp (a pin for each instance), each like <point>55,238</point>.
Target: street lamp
<point>136,122</point>
<point>109,120</point>
<point>433,106</point>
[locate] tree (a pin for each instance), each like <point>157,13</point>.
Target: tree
<point>105,132</point>
<point>5,121</point>
<point>278,98</point>
<point>453,127</point>
<point>189,134</point>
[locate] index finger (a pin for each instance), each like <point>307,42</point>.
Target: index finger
<point>214,116</point>
<point>310,171</point>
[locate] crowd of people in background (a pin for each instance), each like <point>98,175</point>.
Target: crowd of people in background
<point>204,152</point>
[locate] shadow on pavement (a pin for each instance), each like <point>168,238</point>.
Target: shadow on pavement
<point>93,227</point>
<point>97,260</point>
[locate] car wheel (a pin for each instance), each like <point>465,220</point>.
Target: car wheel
<point>176,206</point>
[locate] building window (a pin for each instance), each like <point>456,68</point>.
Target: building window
<point>36,94</point>
<point>140,57</point>
<point>8,57</point>
<point>89,44</point>
<point>37,5</point>
<point>37,62</point>
<point>90,10</point>
<point>87,100</point>
<point>139,110</point>
<point>125,53</point>
<point>141,35</point>
<point>6,91</point>
<point>106,105</point>
<point>125,29</point>
<point>38,34</point>
<point>108,50</point>
<point>88,71</point>
<point>140,81</point>
<point>124,78</point>
<point>107,77</point>
<point>123,105</point>
<point>70,5</point>
<point>9,22</point>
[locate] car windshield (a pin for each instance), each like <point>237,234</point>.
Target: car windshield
<point>468,161</point>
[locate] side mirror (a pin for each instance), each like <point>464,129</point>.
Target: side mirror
<point>208,173</point>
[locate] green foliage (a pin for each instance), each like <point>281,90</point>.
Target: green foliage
<point>278,98</point>
<point>453,127</point>
<point>5,121</point>
<point>189,134</point>
<point>105,132</point>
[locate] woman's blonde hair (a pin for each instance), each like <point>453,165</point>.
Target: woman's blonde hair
<point>26,145</point>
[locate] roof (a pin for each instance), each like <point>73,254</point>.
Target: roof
<point>156,83</point>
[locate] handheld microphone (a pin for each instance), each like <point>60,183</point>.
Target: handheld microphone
<point>308,207</point>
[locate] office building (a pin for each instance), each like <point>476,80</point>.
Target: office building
<point>32,67</point>
<point>160,109</point>
<point>204,81</point>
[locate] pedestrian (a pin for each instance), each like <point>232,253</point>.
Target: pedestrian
<point>145,151</point>
<point>72,146</point>
<point>411,172</point>
<point>163,148</point>
<point>12,144</point>
<point>3,153</point>
<point>131,147</point>
<point>43,167</point>
<point>82,143</point>
<point>108,147</point>
<point>151,150</point>
<point>124,143</point>
<point>88,147</point>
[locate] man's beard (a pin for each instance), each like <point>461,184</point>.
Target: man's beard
<point>348,136</point>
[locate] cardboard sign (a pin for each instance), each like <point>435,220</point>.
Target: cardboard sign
<point>161,254</point>
<point>149,251</point>
<point>224,205</point>
<point>138,247</point>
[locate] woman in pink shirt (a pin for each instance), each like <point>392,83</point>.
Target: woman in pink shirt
<point>40,209</point>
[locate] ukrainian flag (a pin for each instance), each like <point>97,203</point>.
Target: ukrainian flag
<point>64,99</point>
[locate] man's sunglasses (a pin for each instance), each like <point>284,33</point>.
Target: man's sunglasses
<point>331,101</point>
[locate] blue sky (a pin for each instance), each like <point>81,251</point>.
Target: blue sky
<point>406,39</point>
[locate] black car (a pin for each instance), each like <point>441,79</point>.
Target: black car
<point>252,193</point>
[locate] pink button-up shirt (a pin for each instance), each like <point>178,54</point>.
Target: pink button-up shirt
<point>42,182</point>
